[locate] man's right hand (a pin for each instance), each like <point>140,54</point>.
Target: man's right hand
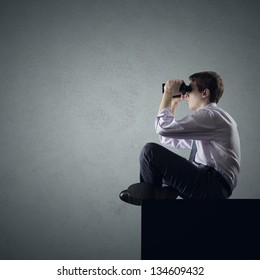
<point>172,87</point>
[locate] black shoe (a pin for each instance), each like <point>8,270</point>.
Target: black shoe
<point>136,193</point>
<point>126,197</point>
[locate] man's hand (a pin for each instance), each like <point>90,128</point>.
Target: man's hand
<point>172,87</point>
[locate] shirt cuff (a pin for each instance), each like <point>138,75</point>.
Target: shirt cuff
<point>165,112</point>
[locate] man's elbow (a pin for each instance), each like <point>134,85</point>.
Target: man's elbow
<point>160,131</point>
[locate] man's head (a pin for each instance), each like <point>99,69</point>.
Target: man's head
<point>210,83</point>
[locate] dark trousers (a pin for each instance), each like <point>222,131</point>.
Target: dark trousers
<point>159,165</point>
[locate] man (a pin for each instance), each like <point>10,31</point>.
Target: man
<point>210,133</point>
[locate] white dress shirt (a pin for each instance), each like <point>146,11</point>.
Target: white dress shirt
<point>214,132</point>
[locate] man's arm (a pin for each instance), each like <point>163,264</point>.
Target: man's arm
<point>171,89</point>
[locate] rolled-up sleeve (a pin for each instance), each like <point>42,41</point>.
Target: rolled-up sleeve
<point>163,122</point>
<point>197,126</point>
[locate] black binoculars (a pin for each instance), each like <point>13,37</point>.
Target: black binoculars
<point>183,89</point>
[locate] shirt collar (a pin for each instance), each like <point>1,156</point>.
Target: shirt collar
<point>210,105</point>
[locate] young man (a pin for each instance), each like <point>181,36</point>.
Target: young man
<point>210,133</point>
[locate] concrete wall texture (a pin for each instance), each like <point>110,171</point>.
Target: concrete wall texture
<point>80,88</point>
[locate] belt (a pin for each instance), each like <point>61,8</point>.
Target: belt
<point>221,179</point>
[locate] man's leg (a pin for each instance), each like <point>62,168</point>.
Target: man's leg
<point>158,164</point>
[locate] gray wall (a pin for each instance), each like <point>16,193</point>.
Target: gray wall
<point>80,88</point>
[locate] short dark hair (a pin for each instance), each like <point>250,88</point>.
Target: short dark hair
<point>210,80</point>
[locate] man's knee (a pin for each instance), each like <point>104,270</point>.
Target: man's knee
<point>148,151</point>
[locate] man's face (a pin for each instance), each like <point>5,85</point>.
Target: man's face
<point>194,98</point>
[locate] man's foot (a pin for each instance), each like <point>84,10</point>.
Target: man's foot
<point>136,193</point>
<point>126,197</point>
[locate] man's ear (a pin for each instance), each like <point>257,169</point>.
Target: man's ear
<point>206,93</point>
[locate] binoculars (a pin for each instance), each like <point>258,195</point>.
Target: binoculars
<point>183,89</point>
